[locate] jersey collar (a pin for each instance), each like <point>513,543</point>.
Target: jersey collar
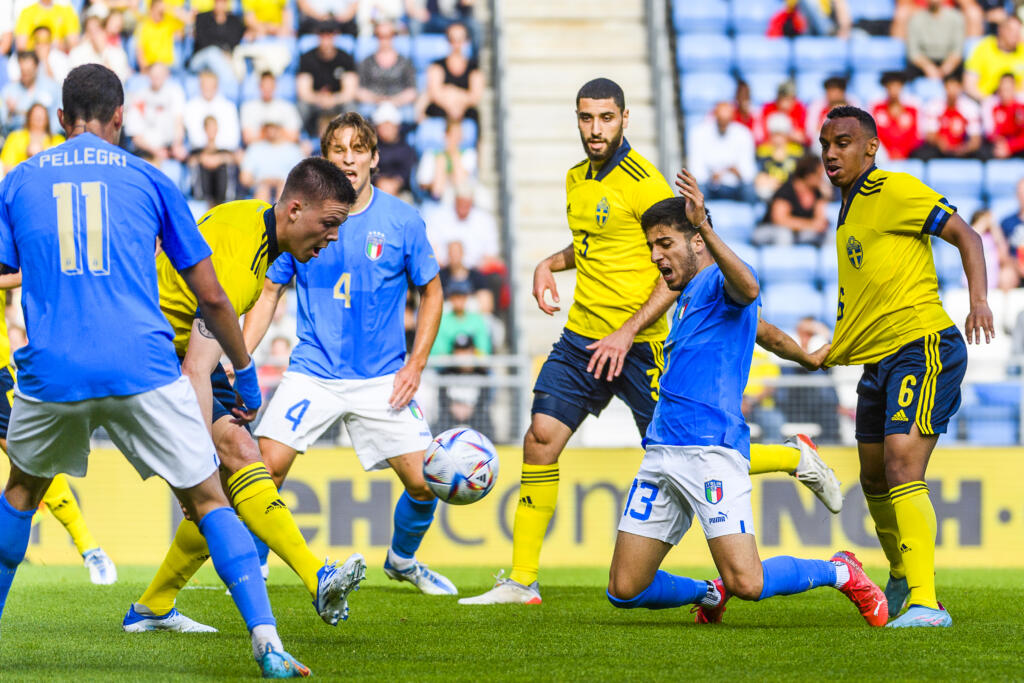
<point>270,221</point>
<point>619,155</point>
<point>853,193</point>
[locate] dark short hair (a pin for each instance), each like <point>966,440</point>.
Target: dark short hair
<point>670,212</point>
<point>91,91</point>
<point>602,89</point>
<point>363,131</point>
<point>28,54</point>
<point>890,76</point>
<point>318,180</point>
<point>808,164</point>
<point>846,111</point>
<point>835,82</point>
<point>953,76</point>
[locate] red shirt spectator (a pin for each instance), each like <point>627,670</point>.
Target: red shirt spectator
<point>835,95</point>
<point>787,22</point>
<point>953,124</point>
<point>786,103</point>
<point>745,112</point>
<point>1003,120</point>
<point>896,118</point>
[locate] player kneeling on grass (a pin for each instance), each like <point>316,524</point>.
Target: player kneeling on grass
<point>697,462</point>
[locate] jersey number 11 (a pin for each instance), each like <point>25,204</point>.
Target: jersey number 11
<point>69,219</point>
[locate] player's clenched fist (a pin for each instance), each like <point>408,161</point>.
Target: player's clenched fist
<point>543,281</point>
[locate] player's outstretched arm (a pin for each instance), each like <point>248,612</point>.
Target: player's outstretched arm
<point>259,317</point>
<point>963,237</point>
<point>775,341</point>
<point>740,283</point>
<point>544,280</point>
<point>428,320</point>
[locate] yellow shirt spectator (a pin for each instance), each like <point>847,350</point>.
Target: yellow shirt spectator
<point>990,63</point>
<point>60,19</point>
<point>265,11</point>
<point>155,40</point>
<point>16,147</point>
<point>762,369</point>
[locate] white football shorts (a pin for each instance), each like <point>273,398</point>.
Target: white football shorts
<point>304,407</point>
<point>161,432</point>
<point>675,483</point>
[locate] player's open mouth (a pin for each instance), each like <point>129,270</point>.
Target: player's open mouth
<point>666,272</point>
<point>832,170</point>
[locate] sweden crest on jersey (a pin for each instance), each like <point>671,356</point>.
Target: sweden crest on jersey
<point>713,490</point>
<point>855,252</point>
<point>601,214</point>
<point>374,245</point>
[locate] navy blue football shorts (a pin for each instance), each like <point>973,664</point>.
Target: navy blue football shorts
<point>568,393</point>
<point>224,396</point>
<point>7,388</point>
<point>919,384</point>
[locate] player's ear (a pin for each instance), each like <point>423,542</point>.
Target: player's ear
<point>873,146</point>
<point>625,118</point>
<point>294,209</point>
<point>60,119</point>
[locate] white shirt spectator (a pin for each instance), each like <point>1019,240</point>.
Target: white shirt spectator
<point>461,221</point>
<point>713,152</point>
<point>94,49</point>
<point>155,115</point>
<point>229,134</point>
<point>270,160</point>
<point>255,113</point>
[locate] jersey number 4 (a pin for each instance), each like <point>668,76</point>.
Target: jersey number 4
<point>69,227</point>
<point>342,287</point>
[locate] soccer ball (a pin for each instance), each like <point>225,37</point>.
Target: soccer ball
<point>460,466</point>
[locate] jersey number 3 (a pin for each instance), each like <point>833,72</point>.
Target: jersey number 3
<point>69,227</point>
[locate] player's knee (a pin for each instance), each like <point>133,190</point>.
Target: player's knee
<point>744,586</point>
<point>539,446</point>
<point>874,483</point>
<point>622,589</point>
<point>419,491</point>
<point>236,449</point>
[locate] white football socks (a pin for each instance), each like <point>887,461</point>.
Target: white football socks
<point>712,597</point>
<point>262,636</point>
<point>398,562</point>
<point>842,574</point>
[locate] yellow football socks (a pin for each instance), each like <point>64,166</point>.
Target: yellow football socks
<point>887,531</point>
<point>538,493</point>
<point>917,527</point>
<point>257,502</point>
<point>186,555</point>
<point>773,458</point>
<point>65,508</point>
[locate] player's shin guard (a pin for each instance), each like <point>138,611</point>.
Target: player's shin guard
<point>186,555</point>
<point>665,591</point>
<point>538,494</point>
<point>15,529</point>
<point>234,557</point>
<point>785,575</point>
<point>65,508</point>
<point>773,458</point>
<point>916,519</point>
<point>256,499</point>
<point>412,519</point>
<point>884,516</point>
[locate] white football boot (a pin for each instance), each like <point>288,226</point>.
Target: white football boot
<point>813,473</point>
<point>506,592</point>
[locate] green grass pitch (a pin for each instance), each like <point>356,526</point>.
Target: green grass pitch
<point>57,626</point>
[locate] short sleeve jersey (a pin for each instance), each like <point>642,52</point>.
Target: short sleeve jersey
<point>614,273</point>
<point>708,355</point>
<point>243,237</point>
<point>81,221</point>
<point>351,298</point>
<point>326,73</point>
<point>888,289</point>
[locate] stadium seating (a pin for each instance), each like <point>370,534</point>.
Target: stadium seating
<point>703,52</point>
<point>734,221</point>
<point>750,16</point>
<point>757,55</point>
<point>872,10</point>
<point>877,53</point>
<point>914,167</point>
<point>826,54</point>
<point>706,16</point>
<point>788,264</point>
<point>784,305</point>
<point>959,177</point>
<point>1002,176</point>
<point>948,265</point>
<point>866,87</point>
<point>764,86</point>
<point>700,91</point>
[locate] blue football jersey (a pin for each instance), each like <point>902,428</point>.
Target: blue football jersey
<point>351,298</point>
<point>708,354</point>
<point>81,221</point>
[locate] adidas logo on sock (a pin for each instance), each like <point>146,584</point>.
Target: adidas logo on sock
<point>526,500</point>
<point>278,504</point>
<point>904,548</point>
<point>900,416</point>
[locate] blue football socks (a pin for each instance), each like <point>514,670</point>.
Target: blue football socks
<point>412,519</point>
<point>785,575</point>
<point>235,559</point>
<point>15,529</point>
<point>666,590</point>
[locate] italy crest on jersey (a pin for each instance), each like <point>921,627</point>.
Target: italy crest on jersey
<point>374,245</point>
<point>713,490</point>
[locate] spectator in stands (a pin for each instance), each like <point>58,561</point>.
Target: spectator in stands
<point>721,156</point>
<point>455,84</point>
<point>267,18</point>
<point>386,76</point>
<point>443,13</point>
<point>827,17</point>
<point>327,80</point>
<point>31,87</point>
<point>213,169</point>
<point>30,140</point>
<point>456,273</point>
<point>786,103</point>
<point>1000,266</point>
<point>462,221</point>
<point>269,107</point>
<point>970,10</point>
<point>267,161</point>
<point>788,22</point>
<point>935,41</point>
<point>154,118</point>
<point>441,169</point>
<point>1012,228</point>
<point>896,118</point>
<point>994,56</point>
<point>464,403</point>
<point>835,95</point>
<point>114,26</point>
<point>1003,120</point>
<point>746,113</point>
<point>60,18</point>
<point>216,35</point>
<point>758,404</point>
<point>798,211</point>
<point>811,404</point>
<point>397,158</point>
<point>53,64</point>
<point>274,365</point>
<point>155,36</point>
<point>370,12</point>
<point>210,102</point>
<point>97,49</point>
<point>777,157</point>
<point>341,12</point>
<point>459,320</point>
<point>953,126</point>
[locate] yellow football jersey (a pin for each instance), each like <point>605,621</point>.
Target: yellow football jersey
<point>614,273</point>
<point>888,290</point>
<point>243,238</point>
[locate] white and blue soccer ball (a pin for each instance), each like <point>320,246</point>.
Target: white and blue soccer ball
<point>460,466</point>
